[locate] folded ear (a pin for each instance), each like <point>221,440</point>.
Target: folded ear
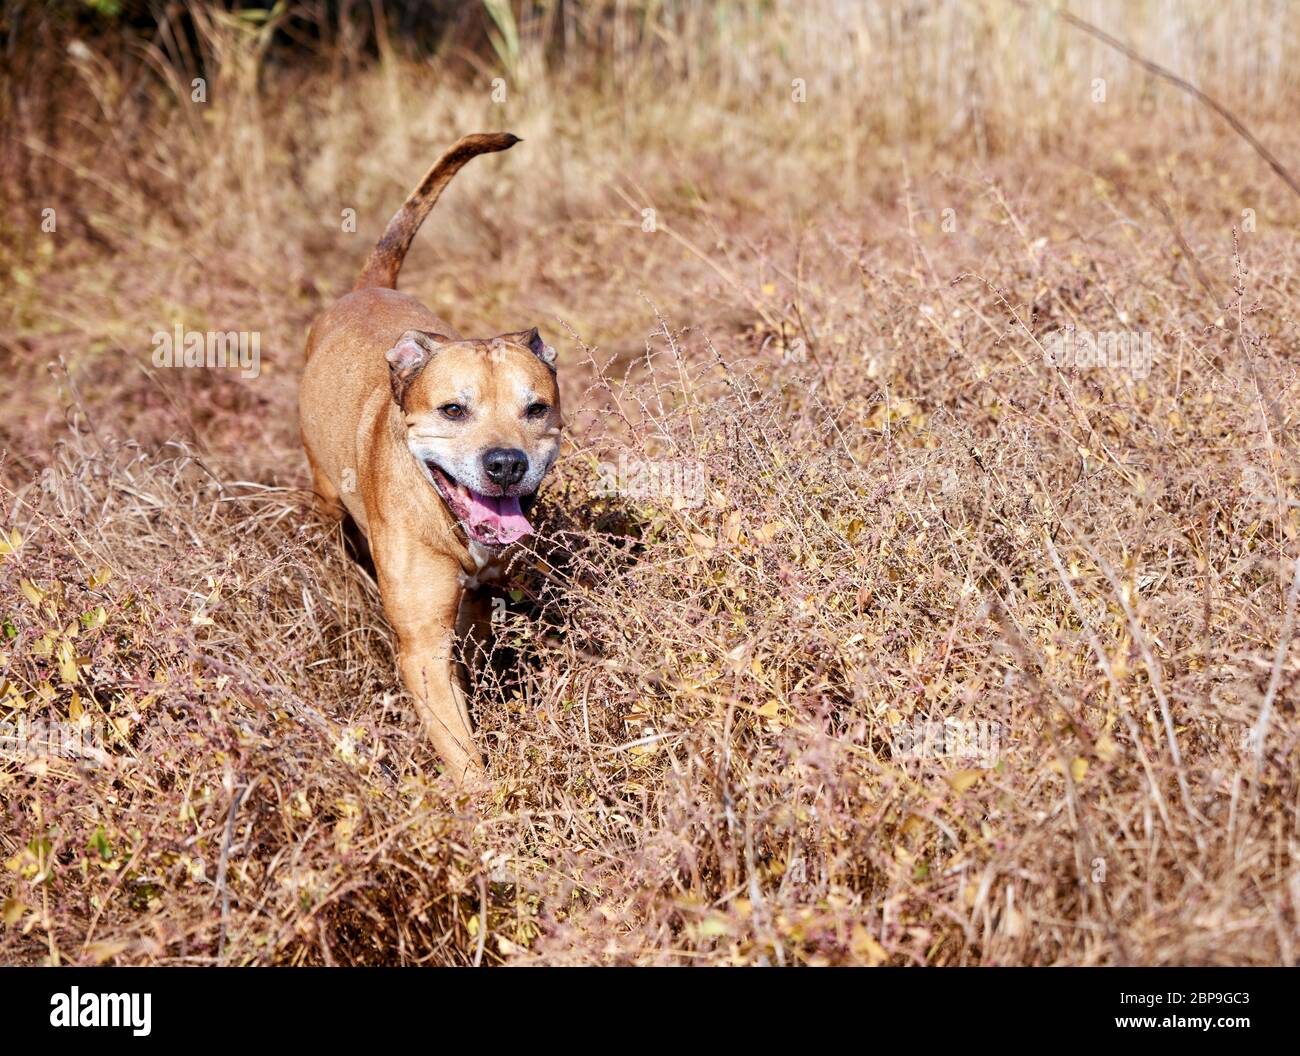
<point>532,340</point>
<point>408,357</point>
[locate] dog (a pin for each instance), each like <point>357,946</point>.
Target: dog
<point>435,446</point>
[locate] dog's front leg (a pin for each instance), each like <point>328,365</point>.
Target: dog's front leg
<point>474,631</point>
<point>421,593</point>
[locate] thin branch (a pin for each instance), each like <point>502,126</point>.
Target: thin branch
<point>1259,734</point>
<point>240,792</point>
<point>1157,70</point>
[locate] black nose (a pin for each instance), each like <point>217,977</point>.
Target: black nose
<point>505,465</point>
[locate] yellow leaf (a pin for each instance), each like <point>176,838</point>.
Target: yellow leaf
<point>10,543</point>
<point>67,661</point>
<point>343,830</point>
<point>1078,767</point>
<point>106,951</point>
<point>100,576</point>
<point>963,779</point>
<point>914,823</point>
<point>714,925</point>
<point>31,591</point>
<point>866,948</point>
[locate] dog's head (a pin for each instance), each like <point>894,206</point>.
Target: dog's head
<point>483,420</point>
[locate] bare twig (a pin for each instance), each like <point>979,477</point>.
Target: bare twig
<point>223,861</point>
<point>1259,733</point>
<point>1157,70</point>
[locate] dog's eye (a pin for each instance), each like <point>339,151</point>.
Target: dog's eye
<point>537,410</point>
<point>452,410</point>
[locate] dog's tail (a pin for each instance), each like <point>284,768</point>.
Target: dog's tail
<point>385,260</point>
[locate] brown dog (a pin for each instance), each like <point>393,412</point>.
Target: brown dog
<point>435,444</point>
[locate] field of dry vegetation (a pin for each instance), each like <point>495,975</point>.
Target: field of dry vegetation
<point>702,721</point>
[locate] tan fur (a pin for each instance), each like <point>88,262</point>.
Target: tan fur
<point>356,436</point>
<point>386,258</point>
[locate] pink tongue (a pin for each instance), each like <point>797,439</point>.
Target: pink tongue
<point>498,515</point>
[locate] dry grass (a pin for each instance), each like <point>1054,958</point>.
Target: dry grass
<point>694,716</point>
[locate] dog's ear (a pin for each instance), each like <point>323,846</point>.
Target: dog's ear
<point>408,357</point>
<point>532,340</point>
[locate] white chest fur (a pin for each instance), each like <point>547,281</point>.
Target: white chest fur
<point>488,565</point>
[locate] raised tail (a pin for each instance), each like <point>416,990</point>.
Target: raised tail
<point>385,260</point>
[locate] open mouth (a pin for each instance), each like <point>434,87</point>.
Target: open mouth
<point>495,520</point>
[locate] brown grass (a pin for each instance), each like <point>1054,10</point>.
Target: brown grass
<point>693,720</point>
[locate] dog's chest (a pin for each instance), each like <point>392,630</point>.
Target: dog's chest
<point>487,565</point>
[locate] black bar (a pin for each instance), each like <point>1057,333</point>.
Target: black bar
<point>1034,1005</point>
